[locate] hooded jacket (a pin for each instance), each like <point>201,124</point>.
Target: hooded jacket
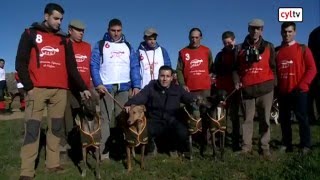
<point>98,71</point>
<point>151,59</point>
<point>29,63</point>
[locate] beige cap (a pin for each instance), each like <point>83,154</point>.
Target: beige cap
<point>150,32</point>
<point>77,24</point>
<point>256,23</point>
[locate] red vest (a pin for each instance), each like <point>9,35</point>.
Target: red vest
<point>196,68</point>
<point>52,71</point>
<point>255,73</point>
<point>225,82</point>
<point>82,52</point>
<point>16,77</point>
<point>290,67</point>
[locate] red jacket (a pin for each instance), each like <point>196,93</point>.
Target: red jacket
<point>296,68</point>
<point>255,73</point>
<point>52,71</point>
<point>82,52</point>
<point>196,68</point>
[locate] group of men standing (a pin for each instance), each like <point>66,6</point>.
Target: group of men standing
<point>55,70</point>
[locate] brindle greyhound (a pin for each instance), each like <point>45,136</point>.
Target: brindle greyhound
<point>89,125</point>
<point>194,120</point>
<point>136,134</point>
<point>217,117</point>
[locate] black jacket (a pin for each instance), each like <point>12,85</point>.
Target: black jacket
<point>162,103</point>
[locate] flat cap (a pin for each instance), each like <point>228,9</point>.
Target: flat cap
<point>256,23</point>
<point>77,24</point>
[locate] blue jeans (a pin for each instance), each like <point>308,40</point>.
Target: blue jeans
<point>297,102</point>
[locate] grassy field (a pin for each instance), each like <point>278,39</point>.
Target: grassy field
<point>282,166</point>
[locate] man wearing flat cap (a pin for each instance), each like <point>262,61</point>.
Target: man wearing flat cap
<point>82,53</point>
<point>255,76</point>
<point>152,56</point>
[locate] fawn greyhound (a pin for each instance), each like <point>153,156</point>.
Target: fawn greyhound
<point>136,134</point>
<point>89,123</point>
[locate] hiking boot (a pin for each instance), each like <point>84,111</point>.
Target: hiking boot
<point>26,178</point>
<point>173,154</point>
<point>305,151</point>
<point>266,155</point>
<point>58,169</point>
<point>286,149</point>
<point>244,152</point>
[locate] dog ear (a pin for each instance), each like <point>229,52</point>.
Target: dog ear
<point>144,108</point>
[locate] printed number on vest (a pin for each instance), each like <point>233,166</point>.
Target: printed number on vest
<point>39,38</point>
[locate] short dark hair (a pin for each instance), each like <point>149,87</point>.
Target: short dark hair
<point>228,34</point>
<point>50,7</point>
<point>165,68</point>
<point>284,25</point>
<point>195,29</point>
<point>2,60</point>
<point>114,22</point>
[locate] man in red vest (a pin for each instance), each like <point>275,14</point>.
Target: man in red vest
<point>255,74</point>
<point>193,70</point>
<point>296,69</point>
<point>82,51</point>
<point>44,62</point>
<point>222,68</point>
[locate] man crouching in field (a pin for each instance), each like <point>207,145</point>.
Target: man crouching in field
<point>162,99</point>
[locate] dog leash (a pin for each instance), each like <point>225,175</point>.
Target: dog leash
<point>117,102</point>
<point>229,95</point>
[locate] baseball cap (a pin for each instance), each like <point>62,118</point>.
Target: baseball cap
<point>150,32</point>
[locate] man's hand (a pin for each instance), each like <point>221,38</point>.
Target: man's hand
<point>186,88</point>
<point>135,91</point>
<point>101,89</point>
<point>127,108</point>
<point>86,94</point>
<point>238,85</point>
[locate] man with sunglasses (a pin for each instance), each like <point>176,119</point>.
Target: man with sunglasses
<point>255,76</point>
<point>114,70</point>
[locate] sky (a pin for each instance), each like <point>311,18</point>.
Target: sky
<point>171,18</point>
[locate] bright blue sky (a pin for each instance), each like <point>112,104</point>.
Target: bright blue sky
<point>172,18</point>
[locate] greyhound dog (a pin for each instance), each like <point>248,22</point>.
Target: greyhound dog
<point>135,131</point>
<point>194,121</point>
<point>217,115</point>
<point>89,123</point>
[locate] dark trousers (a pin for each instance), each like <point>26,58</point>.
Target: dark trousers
<point>233,111</point>
<point>296,101</point>
<point>314,99</point>
<point>174,135</point>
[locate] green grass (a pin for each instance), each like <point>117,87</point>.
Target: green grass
<point>282,166</point>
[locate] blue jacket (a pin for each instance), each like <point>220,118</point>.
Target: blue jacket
<point>134,67</point>
<point>166,58</point>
